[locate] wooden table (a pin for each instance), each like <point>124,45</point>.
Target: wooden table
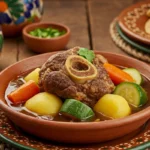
<point>89,21</point>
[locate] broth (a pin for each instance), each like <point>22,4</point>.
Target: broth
<point>14,84</point>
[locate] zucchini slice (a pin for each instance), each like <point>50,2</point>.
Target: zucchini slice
<point>135,74</point>
<point>132,92</point>
<point>76,109</point>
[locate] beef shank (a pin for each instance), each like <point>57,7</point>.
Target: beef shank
<point>85,81</point>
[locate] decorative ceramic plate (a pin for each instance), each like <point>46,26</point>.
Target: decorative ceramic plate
<point>19,11</point>
<point>137,45</point>
<point>9,133</point>
<point>15,14</point>
<point>123,45</point>
<point>132,21</point>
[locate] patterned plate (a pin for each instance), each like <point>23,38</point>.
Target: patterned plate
<point>19,11</point>
<point>9,133</point>
<point>121,43</point>
<point>132,21</point>
<point>137,45</point>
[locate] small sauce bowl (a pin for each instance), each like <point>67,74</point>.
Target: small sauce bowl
<point>43,45</point>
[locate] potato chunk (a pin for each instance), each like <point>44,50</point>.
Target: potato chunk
<point>113,106</point>
<point>34,75</point>
<point>44,104</point>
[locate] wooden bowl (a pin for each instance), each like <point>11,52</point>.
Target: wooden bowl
<point>43,45</point>
<point>132,21</point>
<point>71,132</point>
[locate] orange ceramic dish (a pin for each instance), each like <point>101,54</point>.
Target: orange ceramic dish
<point>132,21</point>
<point>71,132</point>
<point>42,45</point>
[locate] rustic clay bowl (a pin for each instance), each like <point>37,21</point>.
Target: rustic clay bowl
<point>132,21</point>
<point>43,45</point>
<point>70,132</point>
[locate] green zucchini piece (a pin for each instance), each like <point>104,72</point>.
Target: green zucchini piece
<point>132,92</point>
<point>135,74</point>
<point>76,109</point>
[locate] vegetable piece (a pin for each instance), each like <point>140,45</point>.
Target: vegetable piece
<point>113,106</point>
<point>87,54</point>
<point>76,109</point>
<point>46,32</point>
<point>33,33</point>
<point>116,74</point>
<point>44,104</point>
<point>80,69</point>
<point>34,75</point>
<point>135,74</point>
<point>24,92</point>
<point>39,32</point>
<point>132,92</point>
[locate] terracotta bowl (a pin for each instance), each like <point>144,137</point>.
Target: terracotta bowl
<point>69,132</point>
<point>43,45</point>
<point>132,21</point>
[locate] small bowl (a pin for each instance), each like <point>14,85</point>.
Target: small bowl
<point>73,132</point>
<point>43,45</point>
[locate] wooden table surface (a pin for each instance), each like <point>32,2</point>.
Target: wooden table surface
<point>89,21</point>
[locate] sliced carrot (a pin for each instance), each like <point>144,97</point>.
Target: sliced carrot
<point>24,92</point>
<point>116,74</point>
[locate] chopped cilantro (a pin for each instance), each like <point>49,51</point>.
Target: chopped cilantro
<point>86,53</point>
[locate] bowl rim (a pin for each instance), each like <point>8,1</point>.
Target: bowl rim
<point>86,125</point>
<point>25,33</point>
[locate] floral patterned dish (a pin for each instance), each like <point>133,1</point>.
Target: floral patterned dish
<point>18,13</point>
<point>9,133</point>
<point>132,21</point>
<point>139,46</point>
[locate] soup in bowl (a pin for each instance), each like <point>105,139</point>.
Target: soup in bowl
<point>77,96</point>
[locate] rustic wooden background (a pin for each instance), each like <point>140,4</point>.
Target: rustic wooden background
<point>89,21</point>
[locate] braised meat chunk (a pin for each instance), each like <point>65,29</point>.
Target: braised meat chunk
<point>69,75</point>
